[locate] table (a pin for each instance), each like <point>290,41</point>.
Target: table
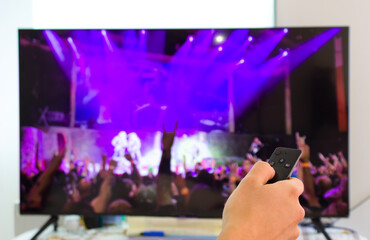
<point>115,233</point>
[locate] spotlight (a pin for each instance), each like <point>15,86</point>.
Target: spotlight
<point>286,30</point>
<point>219,39</point>
<point>250,38</point>
<point>69,39</point>
<point>143,32</point>
<point>104,33</point>
<point>191,38</point>
<point>241,61</point>
<point>285,53</point>
<point>220,48</point>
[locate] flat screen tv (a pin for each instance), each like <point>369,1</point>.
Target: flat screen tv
<point>166,122</point>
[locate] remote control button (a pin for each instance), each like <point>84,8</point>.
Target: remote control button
<point>281,160</point>
<point>287,165</point>
<point>272,163</point>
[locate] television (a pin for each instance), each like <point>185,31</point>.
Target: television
<point>97,107</point>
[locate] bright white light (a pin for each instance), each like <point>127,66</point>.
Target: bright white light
<point>241,61</point>
<point>286,30</point>
<point>220,48</point>
<point>285,53</point>
<point>219,39</point>
<point>143,32</point>
<point>250,38</point>
<point>191,38</point>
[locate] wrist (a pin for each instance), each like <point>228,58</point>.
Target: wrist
<point>305,164</point>
<point>233,234</point>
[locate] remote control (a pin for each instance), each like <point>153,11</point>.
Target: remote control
<point>283,160</point>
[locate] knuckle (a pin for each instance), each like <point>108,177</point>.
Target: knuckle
<point>297,232</point>
<point>301,213</point>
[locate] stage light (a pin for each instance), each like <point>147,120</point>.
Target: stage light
<point>241,61</point>
<point>250,38</point>
<point>191,38</point>
<point>285,53</point>
<point>220,48</point>
<point>219,39</point>
<point>104,33</point>
<point>143,32</point>
<point>286,30</point>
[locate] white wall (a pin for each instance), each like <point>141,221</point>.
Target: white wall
<point>354,14</point>
<point>16,14</point>
<point>13,14</point>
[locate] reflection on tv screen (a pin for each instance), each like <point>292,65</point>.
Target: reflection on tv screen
<point>168,122</point>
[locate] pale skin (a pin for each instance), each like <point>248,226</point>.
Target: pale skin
<point>256,210</point>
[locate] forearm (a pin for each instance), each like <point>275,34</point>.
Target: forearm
<point>136,177</point>
<point>99,204</point>
<point>304,174</point>
<point>165,164</point>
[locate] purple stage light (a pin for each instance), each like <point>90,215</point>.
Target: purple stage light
<point>107,41</point>
<point>220,48</point>
<point>285,53</point>
<point>286,30</point>
<point>54,42</point>
<point>241,61</point>
<point>191,38</point>
<point>250,38</point>
<point>143,32</point>
<point>73,46</point>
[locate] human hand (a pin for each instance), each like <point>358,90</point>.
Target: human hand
<point>168,137</point>
<point>62,144</point>
<point>302,145</point>
<point>129,158</point>
<point>256,210</point>
<point>343,160</point>
<point>112,164</point>
<point>251,158</point>
<point>104,161</point>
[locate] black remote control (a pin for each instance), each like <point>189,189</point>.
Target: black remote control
<point>283,160</point>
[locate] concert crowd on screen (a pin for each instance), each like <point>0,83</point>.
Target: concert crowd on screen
<point>201,191</point>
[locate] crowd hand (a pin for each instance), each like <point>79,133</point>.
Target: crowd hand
<point>104,161</point>
<point>258,141</point>
<point>129,158</point>
<point>329,167</point>
<point>342,159</point>
<point>35,195</point>
<point>253,206</point>
<point>168,138</point>
<point>252,158</point>
<point>56,160</point>
<point>301,145</point>
<point>336,163</point>
<point>112,165</point>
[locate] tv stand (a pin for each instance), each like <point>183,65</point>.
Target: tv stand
<point>320,227</point>
<point>52,220</point>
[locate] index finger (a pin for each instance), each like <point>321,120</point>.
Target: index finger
<point>297,185</point>
<point>260,173</point>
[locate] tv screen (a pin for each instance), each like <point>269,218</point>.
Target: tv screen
<point>166,122</point>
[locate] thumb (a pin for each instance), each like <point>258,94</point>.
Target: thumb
<point>260,173</point>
